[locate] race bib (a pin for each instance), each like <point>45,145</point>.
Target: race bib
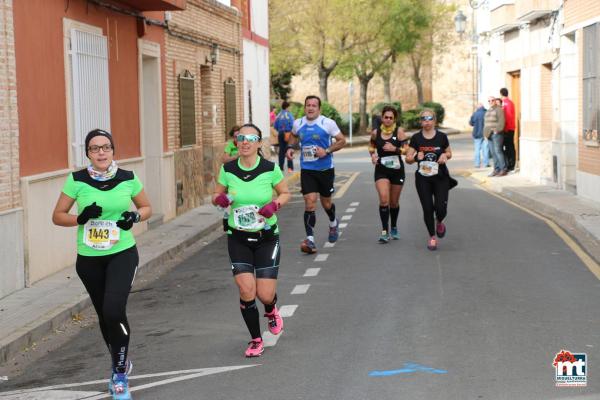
<point>247,218</point>
<point>309,153</point>
<point>392,162</point>
<point>100,234</point>
<point>428,168</point>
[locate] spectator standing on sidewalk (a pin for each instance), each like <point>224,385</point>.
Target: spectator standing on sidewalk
<point>284,122</point>
<point>480,144</point>
<point>492,130</point>
<point>107,256</point>
<point>509,130</point>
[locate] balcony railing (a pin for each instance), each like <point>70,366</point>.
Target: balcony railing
<point>529,10</point>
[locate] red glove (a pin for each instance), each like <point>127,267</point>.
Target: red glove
<point>268,210</point>
<point>222,200</point>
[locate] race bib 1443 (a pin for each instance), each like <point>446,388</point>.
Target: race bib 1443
<point>100,234</point>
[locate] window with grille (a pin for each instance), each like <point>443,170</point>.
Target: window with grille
<point>230,105</point>
<point>591,84</point>
<point>90,104</point>
<point>187,109</point>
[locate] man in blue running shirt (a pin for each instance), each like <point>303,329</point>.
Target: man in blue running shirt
<point>315,133</point>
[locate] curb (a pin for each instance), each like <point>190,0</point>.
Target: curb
<point>566,221</point>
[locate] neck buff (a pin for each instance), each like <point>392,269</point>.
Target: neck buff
<point>388,131</point>
<point>103,176</point>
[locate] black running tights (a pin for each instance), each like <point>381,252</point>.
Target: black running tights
<point>433,193</point>
<point>108,280</point>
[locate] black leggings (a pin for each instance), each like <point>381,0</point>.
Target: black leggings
<point>433,193</point>
<point>108,280</point>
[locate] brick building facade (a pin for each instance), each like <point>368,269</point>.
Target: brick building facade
<point>11,213</point>
<point>203,44</point>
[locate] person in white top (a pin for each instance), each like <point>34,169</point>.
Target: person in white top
<point>315,133</point>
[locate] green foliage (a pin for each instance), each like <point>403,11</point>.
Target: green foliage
<point>410,119</point>
<point>345,125</point>
<point>328,110</point>
<point>281,83</point>
<point>297,109</point>
<point>379,106</point>
<point>440,112</point>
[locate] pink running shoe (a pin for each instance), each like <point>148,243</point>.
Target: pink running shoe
<point>255,348</point>
<point>440,230</point>
<point>432,243</point>
<point>275,321</point>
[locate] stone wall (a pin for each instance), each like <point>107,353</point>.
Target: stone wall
<point>402,88</point>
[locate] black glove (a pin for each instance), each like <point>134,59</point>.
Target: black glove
<point>89,212</point>
<point>129,217</point>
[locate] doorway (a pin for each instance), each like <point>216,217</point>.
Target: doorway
<point>151,127</point>
<point>515,95</point>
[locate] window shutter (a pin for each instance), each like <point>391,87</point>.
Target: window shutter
<point>591,87</point>
<point>230,105</point>
<point>90,89</point>
<point>187,109</point>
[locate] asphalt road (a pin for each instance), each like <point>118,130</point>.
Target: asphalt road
<point>480,318</point>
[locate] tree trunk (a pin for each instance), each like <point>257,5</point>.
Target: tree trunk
<point>387,97</point>
<point>416,64</point>
<point>362,105</point>
<point>323,78</point>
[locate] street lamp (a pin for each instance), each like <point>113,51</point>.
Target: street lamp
<point>460,23</point>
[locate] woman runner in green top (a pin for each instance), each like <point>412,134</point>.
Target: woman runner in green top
<point>107,256</point>
<point>247,184</point>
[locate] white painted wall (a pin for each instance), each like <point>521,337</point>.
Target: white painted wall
<point>259,12</point>
<point>225,2</point>
<point>256,78</point>
<point>256,69</point>
<point>12,271</point>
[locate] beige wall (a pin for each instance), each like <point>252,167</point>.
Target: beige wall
<point>579,13</point>
<point>455,75</point>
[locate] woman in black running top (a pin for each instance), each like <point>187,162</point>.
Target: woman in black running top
<point>430,149</point>
<point>388,142</point>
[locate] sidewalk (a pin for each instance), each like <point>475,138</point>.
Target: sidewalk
<point>579,217</point>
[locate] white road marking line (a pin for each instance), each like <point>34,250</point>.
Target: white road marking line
<point>354,204</point>
<point>312,272</point>
<point>340,193</point>
<point>288,310</point>
<point>270,340</point>
<point>350,210</point>
<point>328,244</point>
<point>346,217</point>
<point>321,257</point>
<point>52,395</point>
<point>343,225</point>
<point>191,373</point>
<point>300,289</point>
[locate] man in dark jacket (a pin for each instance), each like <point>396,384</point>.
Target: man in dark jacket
<point>480,143</point>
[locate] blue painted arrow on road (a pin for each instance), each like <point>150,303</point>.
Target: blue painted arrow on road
<point>409,368</point>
